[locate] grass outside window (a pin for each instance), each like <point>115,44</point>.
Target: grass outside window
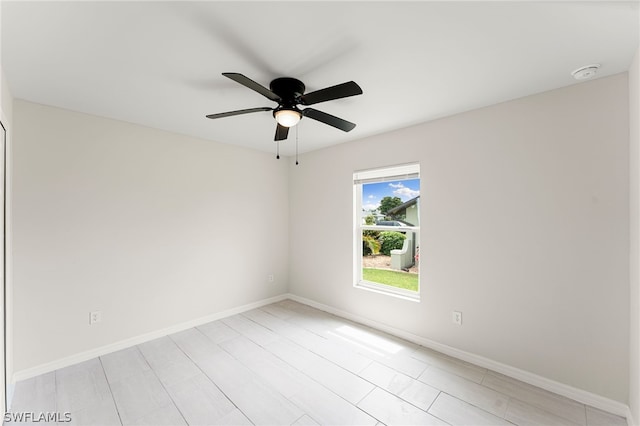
<point>405,280</point>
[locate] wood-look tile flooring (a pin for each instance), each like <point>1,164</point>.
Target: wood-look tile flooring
<point>290,364</point>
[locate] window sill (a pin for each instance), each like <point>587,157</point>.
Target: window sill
<point>389,291</point>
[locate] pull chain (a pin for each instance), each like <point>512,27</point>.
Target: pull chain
<point>277,150</point>
<point>297,144</point>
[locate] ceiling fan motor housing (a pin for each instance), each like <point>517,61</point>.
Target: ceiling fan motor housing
<point>288,88</point>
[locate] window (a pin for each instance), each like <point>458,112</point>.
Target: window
<point>387,230</point>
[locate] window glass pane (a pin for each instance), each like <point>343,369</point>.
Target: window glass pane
<point>390,257</point>
<point>395,267</point>
<point>393,203</point>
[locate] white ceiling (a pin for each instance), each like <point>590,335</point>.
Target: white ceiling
<point>159,64</point>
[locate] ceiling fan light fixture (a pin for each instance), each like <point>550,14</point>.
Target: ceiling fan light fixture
<point>287,117</point>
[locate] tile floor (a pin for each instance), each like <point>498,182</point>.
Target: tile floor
<point>290,364</point>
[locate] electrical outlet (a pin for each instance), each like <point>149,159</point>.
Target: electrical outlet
<point>457,318</point>
<point>271,278</point>
<point>95,317</point>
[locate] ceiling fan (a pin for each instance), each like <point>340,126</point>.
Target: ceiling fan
<point>289,93</point>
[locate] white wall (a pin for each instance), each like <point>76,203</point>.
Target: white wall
<point>7,100</point>
<point>525,224</point>
<point>634,232</point>
<point>152,228</point>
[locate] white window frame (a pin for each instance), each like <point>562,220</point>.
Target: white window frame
<point>383,174</point>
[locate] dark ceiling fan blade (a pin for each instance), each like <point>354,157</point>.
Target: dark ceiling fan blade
<point>247,82</point>
<point>238,112</point>
<point>281,133</point>
<point>329,119</point>
<point>338,91</point>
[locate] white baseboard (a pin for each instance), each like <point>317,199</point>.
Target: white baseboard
<point>630,420</point>
<point>571,392</point>
<point>11,388</point>
<point>103,350</point>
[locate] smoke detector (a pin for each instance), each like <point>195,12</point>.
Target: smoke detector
<point>586,72</point>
